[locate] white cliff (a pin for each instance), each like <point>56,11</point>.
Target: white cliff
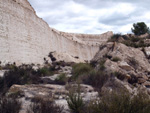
<point>26,38</point>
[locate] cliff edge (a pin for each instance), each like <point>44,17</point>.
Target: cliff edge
<point>26,38</point>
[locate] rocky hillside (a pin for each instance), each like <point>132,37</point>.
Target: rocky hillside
<point>80,73</point>
<point>118,72</point>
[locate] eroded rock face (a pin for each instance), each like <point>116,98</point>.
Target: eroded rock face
<point>129,61</point>
<point>26,38</point>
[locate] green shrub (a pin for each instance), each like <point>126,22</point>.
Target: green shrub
<point>115,59</point>
<point>135,39</point>
<point>46,71</point>
<point>75,102</point>
<point>81,69</point>
<point>40,105</point>
<point>61,79</point>
<point>95,78</point>
<point>115,38</point>
<point>9,105</point>
<point>21,75</point>
<point>140,28</point>
<point>102,65</point>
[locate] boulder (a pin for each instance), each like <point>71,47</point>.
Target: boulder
<point>132,60</point>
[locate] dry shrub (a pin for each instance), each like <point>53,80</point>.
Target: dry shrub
<point>9,105</point>
<point>41,105</point>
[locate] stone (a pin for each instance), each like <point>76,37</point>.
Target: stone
<point>125,66</point>
<point>141,80</point>
<point>133,60</point>
<point>147,84</point>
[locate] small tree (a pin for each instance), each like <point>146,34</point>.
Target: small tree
<point>140,28</point>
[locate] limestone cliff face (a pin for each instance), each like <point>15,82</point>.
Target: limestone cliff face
<point>26,38</point>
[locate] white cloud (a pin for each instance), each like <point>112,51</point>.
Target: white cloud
<point>92,16</point>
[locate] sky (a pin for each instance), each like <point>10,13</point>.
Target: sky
<point>93,16</point>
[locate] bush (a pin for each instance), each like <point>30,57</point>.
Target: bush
<point>115,59</point>
<point>61,79</point>
<point>75,102</point>
<point>135,39</point>
<point>81,69</point>
<point>40,105</point>
<point>95,78</point>
<point>45,71</point>
<point>9,105</point>
<point>102,65</point>
<point>140,28</point>
<point>121,102</point>
<point>21,75</point>
<point>115,37</point>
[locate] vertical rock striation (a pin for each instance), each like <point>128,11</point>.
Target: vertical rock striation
<point>26,38</point>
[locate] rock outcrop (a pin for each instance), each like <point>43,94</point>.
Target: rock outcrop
<point>26,38</point>
<point>131,63</point>
<point>57,92</point>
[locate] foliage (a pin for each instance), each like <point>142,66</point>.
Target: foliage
<point>81,69</point>
<point>46,71</point>
<point>21,75</point>
<point>115,59</point>
<point>102,65</point>
<point>40,105</point>
<point>140,28</point>
<point>9,105</point>
<point>95,78</point>
<point>136,42</point>
<point>121,102</point>
<point>61,79</point>
<point>75,101</point>
<point>115,38</point>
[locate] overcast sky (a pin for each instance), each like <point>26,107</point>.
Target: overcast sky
<point>93,16</point>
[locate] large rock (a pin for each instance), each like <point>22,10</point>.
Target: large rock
<point>66,57</point>
<point>130,59</point>
<point>132,64</point>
